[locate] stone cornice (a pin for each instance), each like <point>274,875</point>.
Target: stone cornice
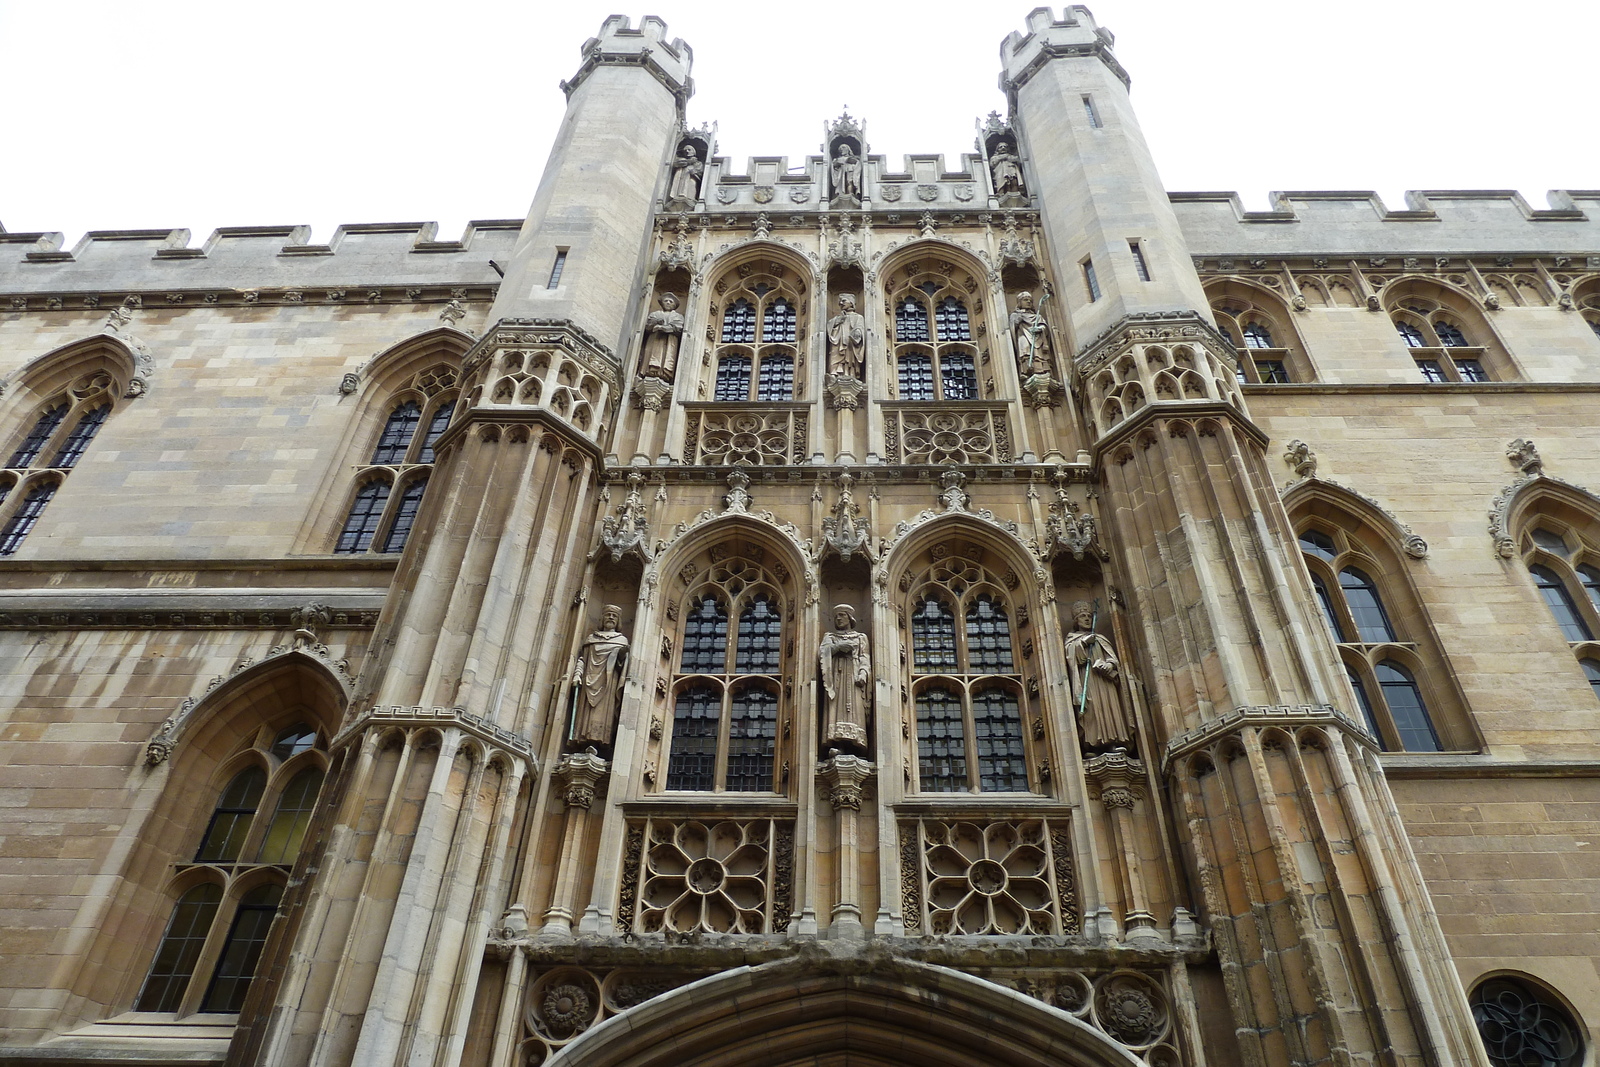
<point>1150,326</point>
<point>866,476</point>
<point>189,616</point>
<point>441,718</point>
<point>1288,716</point>
<point>354,294</point>
<point>1098,49</point>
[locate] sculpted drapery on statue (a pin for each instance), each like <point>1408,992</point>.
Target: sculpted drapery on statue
<point>663,333</point>
<point>686,172</point>
<point>597,681</point>
<point>1103,720</point>
<point>846,174</point>
<point>1031,337</point>
<point>1006,167</point>
<point>847,340</point>
<point>846,678</point>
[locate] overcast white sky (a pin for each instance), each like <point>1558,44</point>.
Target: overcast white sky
<point>203,114</point>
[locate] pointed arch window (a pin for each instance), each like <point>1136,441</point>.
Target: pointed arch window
<point>1366,608</point>
<point>968,695</point>
<point>728,685</point>
<point>58,435</point>
<point>933,333</point>
<point>777,378</point>
<point>1561,558</point>
<point>915,375</point>
<point>1257,336</point>
<point>212,943</point>
<point>1560,603</point>
<point>1271,353</point>
<point>739,323</point>
<point>911,320</point>
<point>733,378</point>
<point>1406,707</point>
<point>952,320</point>
<point>44,427</point>
<point>1429,320</point>
<point>26,517</point>
<point>389,490</point>
<point>758,357</point>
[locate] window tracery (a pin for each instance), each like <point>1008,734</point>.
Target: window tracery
<point>1563,560</point>
<point>1445,335</point>
<point>1520,1024</point>
<point>390,486</point>
<point>757,355</point>
<point>228,893</point>
<point>1258,326</point>
<point>967,691</point>
<point>934,334</point>
<point>728,686</point>
<point>59,432</point>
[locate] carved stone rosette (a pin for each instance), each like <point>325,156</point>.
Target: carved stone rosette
<point>687,876</point>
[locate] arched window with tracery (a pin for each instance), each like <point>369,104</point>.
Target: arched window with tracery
<point>727,691</point>
<point>1561,547</point>
<point>1258,325</point>
<point>758,357</point>
<point>935,358</point>
<point>52,438</point>
<point>228,888</point>
<point>1400,679</point>
<point>1445,334</point>
<point>966,686</point>
<point>1522,1025</point>
<point>388,488</point>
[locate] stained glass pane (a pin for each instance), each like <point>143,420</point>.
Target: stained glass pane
<point>916,377</point>
<point>366,512</point>
<point>230,821</point>
<point>733,378</point>
<point>180,949</point>
<point>1406,708</point>
<point>397,433</point>
<point>958,376</point>
<point>242,950</point>
<point>705,638</point>
<point>752,739</point>
<point>933,637</point>
<point>693,763</point>
<point>1372,623</point>
<point>758,645</point>
<point>997,732</point>
<point>941,742</point>
<point>988,638</point>
<point>739,323</point>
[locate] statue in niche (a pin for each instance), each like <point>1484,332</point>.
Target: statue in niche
<point>663,333</point>
<point>847,340</point>
<point>686,172</point>
<point>1006,167</point>
<point>846,169</point>
<point>597,681</point>
<point>1095,674</point>
<point>846,677</point>
<point>1031,337</point>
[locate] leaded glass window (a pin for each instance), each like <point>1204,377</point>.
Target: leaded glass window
<point>733,378</point>
<point>1257,336</point>
<point>405,515</point>
<point>696,719</point>
<point>752,739</point>
<point>941,741</point>
<point>1449,335</point>
<point>933,637</point>
<point>242,950</point>
<point>436,428</point>
<point>24,519</point>
<point>997,729</point>
<point>83,432</point>
<point>287,830</point>
<point>777,378</point>
<point>1361,595</point>
<point>911,320</point>
<point>180,949</point>
<point>1560,603</point>
<point>1410,335</point>
<point>778,324</point>
<point>916,377</point>
<point>230,820</point>
<point>958,376</point>
<point>705,638</point>
<point>43,428</point>
<point>951,319</point>
<point>1406,707</point>
<point>739,323</point>
<point>395,441</point>
<point>366,514</point>
<point>1520,1027</point>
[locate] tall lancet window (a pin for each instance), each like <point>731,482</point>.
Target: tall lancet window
<point>935,355</point>
<point>759,334</point>
<point>57,434</point>
<point>387,495</point>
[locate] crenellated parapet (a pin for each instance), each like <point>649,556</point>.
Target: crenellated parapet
<point>619,44</point>
<point>1074,34</point>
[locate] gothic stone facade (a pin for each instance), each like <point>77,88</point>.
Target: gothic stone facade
<point>430,652</point>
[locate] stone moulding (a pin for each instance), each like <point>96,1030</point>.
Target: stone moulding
<point>562,333</point>
<point>1505,546</point>
<point>1151,326</point>
<point>1413,545</point>
<point>494,736</point>
<point>1258,716</point>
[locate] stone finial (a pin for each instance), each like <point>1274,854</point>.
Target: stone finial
<point>1525,457</point>
<point>844,777</point>
<point>737,498</point>
<point>1298,455</point>
<point>579,775</point>
<point>844,531</point>
<point>628,530</point>
<point>953,496</point>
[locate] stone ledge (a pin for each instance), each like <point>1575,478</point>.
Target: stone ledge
<point>1404,766</point>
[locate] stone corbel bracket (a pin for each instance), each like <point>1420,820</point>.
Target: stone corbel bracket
<point>495,737</point>
<point>1284,716</point>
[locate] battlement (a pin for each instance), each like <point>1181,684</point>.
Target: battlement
<point>1075,34</point>
<point>255,257</point>
<point>618,43</point>
<point>923,181</point>
<point>1483,221</point>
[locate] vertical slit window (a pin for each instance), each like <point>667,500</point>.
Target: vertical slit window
<point>1090,280</point>
<point>287,831</point>
<point>997,731</point>
<point>83,432</point>
<point>910,320</point>
<point>705,638</point>
<point>242,950</point>
<point>1410,714</point>
<point>230,820</point>
<point>556,268</point>
<point>366,512</point>
<point>958,376</point>
<point>397,433</point>
<point>778,324</point>
<point>180,949</point>
<point>436,428</point>
<point>777,379</point>
<point>733,378</point>
<point>739,323</point>
<point>1365,702</point>
<point>1326,600</point>
<point>941,742</point>
<point>1140,267</point>
<point>1093,113</point>
<point>988,638</point>
<point>1556,597</point>
<point>952,321</point>
<point>933,637</point>
<point>695,720</point>
<point>752,739</point>
<point>1372,623</point>
<point>758,643</point>
<point>405,515</point>
<point>916,377</point>
<point>26,517</point>
<point>34,443</point>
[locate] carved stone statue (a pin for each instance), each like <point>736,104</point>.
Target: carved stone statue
<point>686,172</point>
<point>1006,166</point>
<point>1031,336</point>
<point>663,333</point>
<point>847,340</point>
<point>597,681</point>
<point>1103,721</point>
<point>846,678</point>
<point>846,169</point>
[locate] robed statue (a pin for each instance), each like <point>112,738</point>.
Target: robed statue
<point>597,681</point>
<point>1031,338</point>
<point>846,678</point>
<point>846,169</point>
<point>686,172</point>
<point>847,340</point>
<point>1006,167</point>
<point>663,333</point>
<point>1096,677</point>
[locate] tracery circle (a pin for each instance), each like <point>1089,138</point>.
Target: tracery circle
<point>706,875</point>
<point>987,877</point>
<point>1519,1028</point>
<point>1130,1009</point>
